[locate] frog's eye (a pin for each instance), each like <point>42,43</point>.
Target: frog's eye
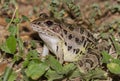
<point>49,23</point>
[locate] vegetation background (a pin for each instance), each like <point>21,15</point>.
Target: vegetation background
<point>19,60</point>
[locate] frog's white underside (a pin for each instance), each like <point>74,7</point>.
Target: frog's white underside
<point>51,44</point>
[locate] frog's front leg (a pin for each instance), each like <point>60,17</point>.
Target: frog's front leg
<point>45,52</point>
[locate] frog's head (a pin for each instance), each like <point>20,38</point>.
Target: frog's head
<point>48,31</point>
<point>45,24</point>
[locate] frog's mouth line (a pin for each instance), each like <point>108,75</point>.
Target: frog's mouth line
<point>43,30</point>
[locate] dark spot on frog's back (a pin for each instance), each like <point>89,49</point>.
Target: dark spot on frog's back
<point>71,28</point>
<point>65,32</point>
<point>85,42</point>
<point>77,40</point>
<point>76,50</point>
<point>80,63</point>
<point>66,43</point>
<point>90,35</point>
<point>69,48</point>
<point>70,36</point>
<point>82,39</point>
<point>81,30</point>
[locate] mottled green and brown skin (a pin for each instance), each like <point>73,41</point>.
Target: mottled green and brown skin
<point>68,42</point>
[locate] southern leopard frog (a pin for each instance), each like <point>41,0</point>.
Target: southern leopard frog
<point>68,42</point>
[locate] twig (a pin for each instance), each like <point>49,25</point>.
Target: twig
<point>16,8</point>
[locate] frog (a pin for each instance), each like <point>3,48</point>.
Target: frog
<point>68,42</point>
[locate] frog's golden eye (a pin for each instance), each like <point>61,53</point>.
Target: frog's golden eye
<point>49,23</point>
